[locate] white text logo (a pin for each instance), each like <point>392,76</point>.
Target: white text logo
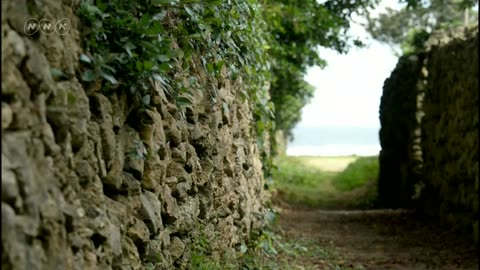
<point>47,27</point>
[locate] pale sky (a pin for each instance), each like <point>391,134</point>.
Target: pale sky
<point>348,90</point>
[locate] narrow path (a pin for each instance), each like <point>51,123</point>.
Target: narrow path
<point>378,239</point>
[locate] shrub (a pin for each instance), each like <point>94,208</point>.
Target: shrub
<point>357,174</point>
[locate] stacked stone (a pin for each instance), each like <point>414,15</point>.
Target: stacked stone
<point>399,133</point>
<point>450,142</point>
<point>97,181</point>
<point>434,96</point>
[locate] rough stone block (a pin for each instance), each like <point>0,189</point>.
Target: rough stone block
<point>150,212</point>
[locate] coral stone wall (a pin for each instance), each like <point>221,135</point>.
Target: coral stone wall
<point>399,134</point>
<point>99,181</point>
<point>450,130</point>
<point>438,164</point>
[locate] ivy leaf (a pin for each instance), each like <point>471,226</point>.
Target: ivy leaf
<point>146,100</point>
<point>109,78</point>
<point>160,90</point>
<point>210,68</point>
<point>164,67</point>
<point>271,109</point>
<point>219,66</point>
<point>89,76</point>
<point>243,248</point>
<point>85,58</point>
<point>57,74</point>
<point>163,82</point>
<point>155,28</point>
<point>157,77</point>
<point>159,16</point>
<point>147,65</point>
<point>133,89</point>
<point>129,47</point>
<point>139,65</point>
<point>161,2</point>
<point>189,11</point>
<point>92,10</point>
<point>101,6</point>
<point>163,58</point>
<point>260,126</point>
<point>144,20</point>
<point>109,68</point>
<point>183,101</point>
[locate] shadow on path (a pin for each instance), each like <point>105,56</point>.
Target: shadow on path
<point>378,239</point>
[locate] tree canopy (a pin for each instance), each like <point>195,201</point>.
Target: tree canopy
<point>410,26</point>
<point>297,28</point>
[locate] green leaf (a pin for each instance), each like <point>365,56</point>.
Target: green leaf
<point>190,11</point>
<point>182,89</point>
<point>182,101</point>
<point>89,76</point>
<point>139,65</point>
<point>57,74</point>
<point>163,81</point>
<point>219,66</point>
<point>163,58</point>
<point>157,77</point>
<point>164,67</point>
<point>109,68</point>
<point>147,65</point>
<point>144,20</point>
<point>129,47</point>
<point>243,248</point>
<point>161,2</point>
<point>133,89</point>
<point>101,6</point>
<point>109,78</point>
<point>91,9</point>
<point>159,16</point>
<point>260,126</point>
<point>85,58</point>
<point>146,100</point>
<point>155,28</point>
<point>210,68</point>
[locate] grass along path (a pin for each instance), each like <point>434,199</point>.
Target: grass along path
<point>326,182</point>
<point>319,208</point>
<point>320,227</point>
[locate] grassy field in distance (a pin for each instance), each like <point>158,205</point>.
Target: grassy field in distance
<point>328,164</point>
<point>341,182</point>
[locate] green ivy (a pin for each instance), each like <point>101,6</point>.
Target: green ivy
<point>415,41</point>
<point>134,45</point>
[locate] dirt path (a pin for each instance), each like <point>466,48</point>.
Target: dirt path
<point>378,239</point>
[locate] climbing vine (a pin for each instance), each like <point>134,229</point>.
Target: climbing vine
<point>135,45</point>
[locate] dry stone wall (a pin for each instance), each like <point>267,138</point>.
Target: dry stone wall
<point>450,130</point>
<point>99,181</point>
<point>399,134</point>
<point>429,135</point>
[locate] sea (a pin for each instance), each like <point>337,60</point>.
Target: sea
<point>334,141</point>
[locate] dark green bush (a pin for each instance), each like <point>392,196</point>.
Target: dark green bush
<point>357,174</point>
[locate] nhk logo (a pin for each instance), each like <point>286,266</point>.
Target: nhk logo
<point>47,27</point>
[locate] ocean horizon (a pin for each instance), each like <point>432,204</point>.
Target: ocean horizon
<point>334,141</point>
<point>329,150</point>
